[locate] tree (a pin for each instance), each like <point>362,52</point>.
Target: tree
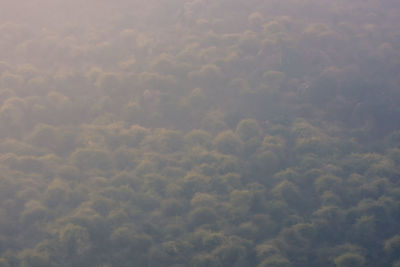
<point>255,19</point>
<point>288,192</point>
<point>232,254</point>
<point>197,99</point>
<point>248,129</point>
<point>204,260</point>
<point>32,259</point>
<point>392,245</point>
<point>263,164</point>
<point>349,260</point>
<point>228,143</point>
<point>198,137</point>
<point>274,80</point>
<point>164,140</point>
<point>203,200</point>
<point>365,229</point>
<point>56,193</point>
<point>208,75</point>
<point>34,212</point>
<point>266,250</point>
<point>328,182</point>
<point>75,241</point>
<point>87,159</point>
<point>213,122</point>
<point>275,261</point>
<point>173,207</point>
<point>329,221</point>
<point>126,236</point>
<point>201,216</point>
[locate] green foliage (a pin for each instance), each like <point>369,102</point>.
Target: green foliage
<point>124,237</point>
<point>248,129</point>
<point>349,259</point>
<point>32,259</point>
<point>275,261</point>
<point>87,159</point>
<point>328,182</point>
<point>201,216</point>
<point>198,137</point>
<point>231,254</point>
<point>228,143</point>
<point>288,192</point>
<point>74,240</point>
<point>392,245</point>
<point>199,133</point>
<point>33,212</point>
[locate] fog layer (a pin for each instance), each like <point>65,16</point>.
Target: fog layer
<point>199,133</point>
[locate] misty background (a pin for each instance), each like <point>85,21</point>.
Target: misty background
<point>199,133</point>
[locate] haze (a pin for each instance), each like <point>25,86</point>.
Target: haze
<point>258,133</point>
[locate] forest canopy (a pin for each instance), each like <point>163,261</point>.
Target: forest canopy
<point>200,133</point>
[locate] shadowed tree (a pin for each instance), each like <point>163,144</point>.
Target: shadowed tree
<point>350,260</point>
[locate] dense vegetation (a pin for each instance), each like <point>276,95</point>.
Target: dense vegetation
<point>200,133</point>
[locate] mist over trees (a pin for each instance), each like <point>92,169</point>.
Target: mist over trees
<point>200,133</point>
